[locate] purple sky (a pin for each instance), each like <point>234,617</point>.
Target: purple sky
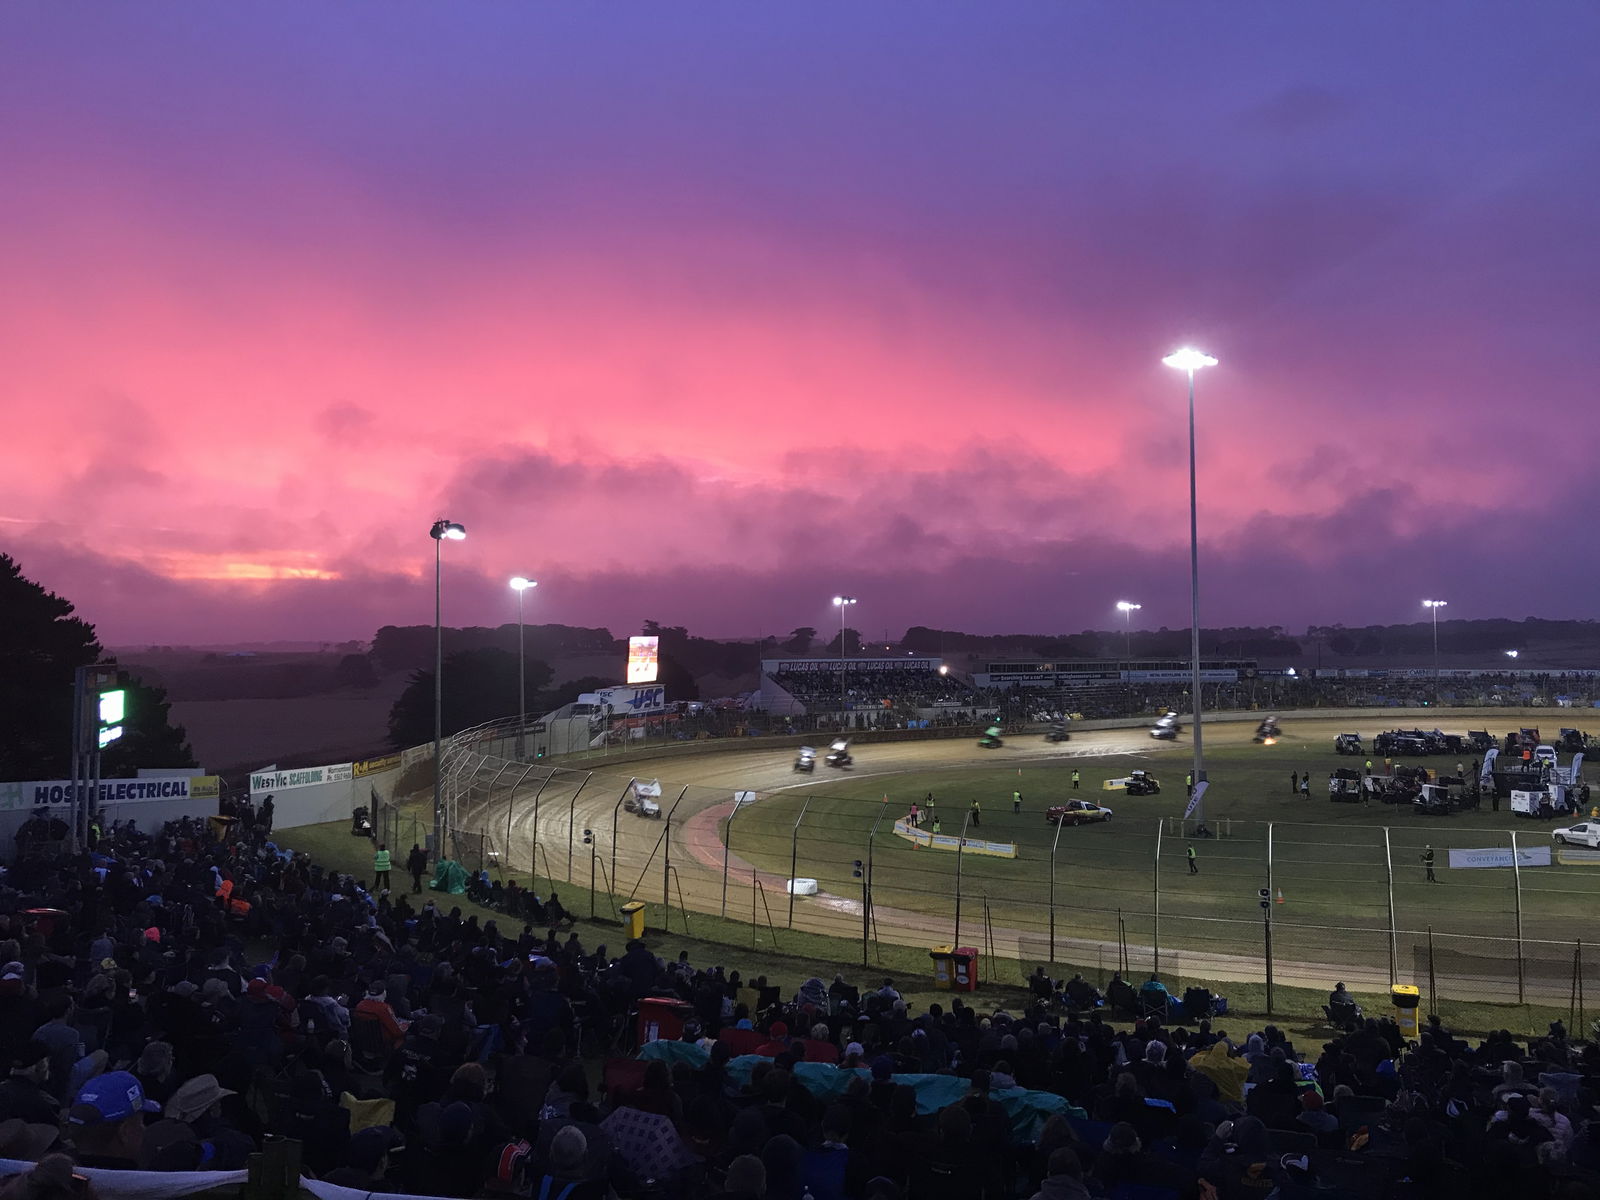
<point>703,312</point>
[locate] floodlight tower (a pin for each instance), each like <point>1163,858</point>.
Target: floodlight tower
<point>1127,608</point>
<point>443,531</point>
<point>842,603</point>
<point>1433,607</point>
<point>519,584</point>
<point>1190,360</point>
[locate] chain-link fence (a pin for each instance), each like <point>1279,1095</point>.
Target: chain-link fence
<point>1276,903</point>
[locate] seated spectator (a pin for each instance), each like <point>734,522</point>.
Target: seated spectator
<point>106,1122</point>
<point>1064,1180</point>
<point>23,1094</point>
<point>367,1159</point>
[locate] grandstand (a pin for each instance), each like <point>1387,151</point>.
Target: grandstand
<point>863,685</point>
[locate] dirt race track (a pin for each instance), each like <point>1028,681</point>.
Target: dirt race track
<point>547,829</point>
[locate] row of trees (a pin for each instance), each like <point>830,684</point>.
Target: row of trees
<point>41,647</point>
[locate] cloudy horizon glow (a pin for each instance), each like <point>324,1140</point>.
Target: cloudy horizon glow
<point>704,315</point>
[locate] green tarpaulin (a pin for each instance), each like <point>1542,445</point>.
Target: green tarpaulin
<point>449,876</point>
<point>1027,1110</point>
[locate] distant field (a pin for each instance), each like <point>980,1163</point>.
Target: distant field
<point>231,734</point>
<point>1328,860</point>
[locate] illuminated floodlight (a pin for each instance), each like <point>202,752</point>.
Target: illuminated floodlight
<point>1512,653</point>
<point>520,584</point>
<point>841,601</point>
<point>452,531</point>
<point>1189,359</point>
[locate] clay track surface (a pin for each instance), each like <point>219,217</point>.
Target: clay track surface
<point>698,791</point>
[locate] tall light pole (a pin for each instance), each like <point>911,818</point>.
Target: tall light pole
<point>842,603</point>
<point>520,585</point>
<point>1127,608</point>
<point>1433,606</point>
<point>1190,360</point>
<point>441,532</point>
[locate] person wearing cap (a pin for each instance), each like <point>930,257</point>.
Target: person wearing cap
<point>106,1121</point>
<point>23,1094</point>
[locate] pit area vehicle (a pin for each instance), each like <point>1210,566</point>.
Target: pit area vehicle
<point>1572,740</point>
<point>1520,740</point>
<point>839,755</point>
<point>1267,731</point>
<point>1392,789</point>
<point>1167,728</point>
<point>806,759</point>
<point>1433,801</point>
<point>1410,742</point>
<point>1584,833</point>
<point>1347,743</point>
<point>1057,733</point>
<point>991,739</point>
<point>1344,786</point>
<point>1076,812</point>
<point>1479,741</point>
<point>1135,783</point>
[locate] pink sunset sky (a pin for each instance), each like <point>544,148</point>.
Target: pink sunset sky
<point>704,313</point>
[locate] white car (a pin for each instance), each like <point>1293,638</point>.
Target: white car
<point>1584,833</point>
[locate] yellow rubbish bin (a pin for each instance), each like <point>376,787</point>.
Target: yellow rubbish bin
<point>943,966</point>
<point>1406,999</point>
<point>633,918</point>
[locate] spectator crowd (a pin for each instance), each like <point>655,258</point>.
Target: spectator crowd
<point>169,1002</point>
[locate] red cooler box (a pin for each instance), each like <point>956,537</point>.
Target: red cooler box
<point>661,1018</point>
<point>964,969</point>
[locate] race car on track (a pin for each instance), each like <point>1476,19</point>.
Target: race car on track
<point>839,755</point>
<point>1167,728</point>
<point>806,759</point>
<point>1076,812</point>
<point>991,739</point>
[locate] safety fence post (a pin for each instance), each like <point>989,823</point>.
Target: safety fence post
<point>794,855</point>
<point>572,808</point>
<point>1054,842</point>
<point>1394,947</point>
<point>1516,883</point>
<point>1155,905</point>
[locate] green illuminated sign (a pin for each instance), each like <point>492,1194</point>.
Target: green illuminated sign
<point>113,707</point>
<point>113,710</point>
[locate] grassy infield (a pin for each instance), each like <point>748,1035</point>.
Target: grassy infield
<point>1328,861</point>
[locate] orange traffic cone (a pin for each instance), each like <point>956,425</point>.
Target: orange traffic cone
<point>1280,895</point>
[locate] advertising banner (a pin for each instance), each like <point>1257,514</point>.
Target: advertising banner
<point>283,781</point>
<point>1530,856</point>
<point>112,791</point>
<point>644,659</point>
<point>853,665</point>
<point>944,841</point>
<point>372,766</point>
<point>632,701</point>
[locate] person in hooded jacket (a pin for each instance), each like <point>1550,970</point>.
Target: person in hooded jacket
<point>1064,1180</point>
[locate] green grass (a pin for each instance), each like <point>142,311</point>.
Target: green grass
<point>1328,861</point>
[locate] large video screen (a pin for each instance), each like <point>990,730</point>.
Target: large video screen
<point>643,659</point>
